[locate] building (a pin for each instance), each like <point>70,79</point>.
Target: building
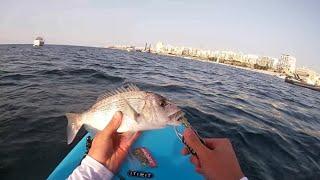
<point>250,59</point>
<point>287,63</point>
<point>264,62</point>
<point>275,62</point>
<point>159,47</point>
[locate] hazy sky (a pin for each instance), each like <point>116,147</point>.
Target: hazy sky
<point>264,27</point>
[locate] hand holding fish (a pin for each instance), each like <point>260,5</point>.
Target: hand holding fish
<point>111,148</point>
<point>141,110</point>
<point>215,160</point>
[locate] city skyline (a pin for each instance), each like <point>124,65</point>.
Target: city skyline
<point>267,28</point>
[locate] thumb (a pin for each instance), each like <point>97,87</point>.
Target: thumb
<point>113,125</point>
<point>194,142</point>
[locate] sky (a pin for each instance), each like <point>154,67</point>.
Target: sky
<point>262,27</point>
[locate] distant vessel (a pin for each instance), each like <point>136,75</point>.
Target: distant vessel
<point>38,41</point>
<point>299,82</point>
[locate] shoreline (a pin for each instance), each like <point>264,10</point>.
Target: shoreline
<point>271,73</point>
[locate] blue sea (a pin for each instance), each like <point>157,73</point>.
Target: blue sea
<point>273,126</point>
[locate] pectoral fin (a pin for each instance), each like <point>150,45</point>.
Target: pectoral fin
<point>129,111</point>
<point>74,125</point>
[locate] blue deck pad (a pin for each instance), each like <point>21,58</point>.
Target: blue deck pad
<point>164,146</point>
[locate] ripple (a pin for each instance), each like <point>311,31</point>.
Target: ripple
<point>16,76</point>
<point>102,76</point>
<point>8,84</point>
<point>53,72</point>
<point>3,72</point>
<point>81,71</point>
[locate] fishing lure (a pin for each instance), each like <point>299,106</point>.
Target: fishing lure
<point>144,157</point>
<point>184,121</point>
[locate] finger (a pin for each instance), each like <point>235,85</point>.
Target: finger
<point>212,143</point>
<point>128,138</point>
<point>199,170</point>
<point>194,160</point>
<point>185,151</point>
<point>113,125</point>
<point>194,142</point>
<point>133,138</point>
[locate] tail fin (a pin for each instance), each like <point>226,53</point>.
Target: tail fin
<point>74,124</point>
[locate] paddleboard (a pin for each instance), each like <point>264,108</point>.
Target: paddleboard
<point>164,147</point>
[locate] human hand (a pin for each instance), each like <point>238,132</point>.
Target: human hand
<point>215,160</point>
<point>109,147</point>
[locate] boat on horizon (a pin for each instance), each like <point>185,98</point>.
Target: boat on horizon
<point>301,83</point>
<point>39,41</point>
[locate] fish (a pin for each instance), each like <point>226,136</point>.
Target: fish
<point>142,110</point>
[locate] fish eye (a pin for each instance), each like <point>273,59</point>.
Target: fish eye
<point>163,103</point>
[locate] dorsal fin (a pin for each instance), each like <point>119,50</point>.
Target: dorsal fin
<point>124,88</point>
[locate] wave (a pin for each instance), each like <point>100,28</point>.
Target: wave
<point>103,76</point>
<point>16,77</point>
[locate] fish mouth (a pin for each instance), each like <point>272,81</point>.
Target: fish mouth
<point>177,116</point>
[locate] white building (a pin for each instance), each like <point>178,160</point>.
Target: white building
<point>275,63</point>
<point>264,61</point>
<point>159,47</point>
<point>250,59</point>
<point>287,63</point>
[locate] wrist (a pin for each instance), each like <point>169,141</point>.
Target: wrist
<point>96,157</point>
<point>99,169</point>
<point>103,162</point>
<point>113,167</point>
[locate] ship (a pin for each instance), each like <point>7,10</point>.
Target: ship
<point>39,41</point>
<point>298,82</point>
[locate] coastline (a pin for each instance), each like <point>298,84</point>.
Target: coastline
<point>134,49</point>
<point>271,73</point>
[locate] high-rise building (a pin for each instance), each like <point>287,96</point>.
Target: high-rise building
<point>287,63</point>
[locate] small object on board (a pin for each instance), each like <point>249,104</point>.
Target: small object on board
<point>144,157</point>
<point>88,146</point>
<point>140,174</point>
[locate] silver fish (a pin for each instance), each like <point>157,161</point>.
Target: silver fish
<point>141,111</point>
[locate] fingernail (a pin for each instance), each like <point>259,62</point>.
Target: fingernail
<point>118,114</point>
